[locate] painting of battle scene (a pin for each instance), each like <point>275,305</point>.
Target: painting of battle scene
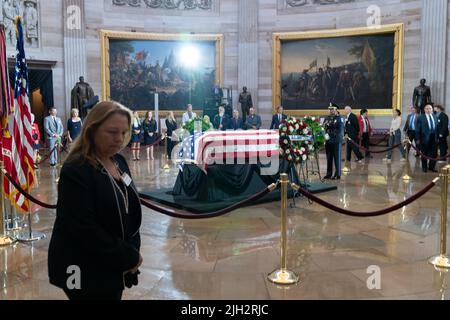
<point>349,70</point>
<point>181,72</point>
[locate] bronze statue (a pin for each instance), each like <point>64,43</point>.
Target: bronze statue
<point>245,99</point>
<point>421,96</point>
<point>80,95</point>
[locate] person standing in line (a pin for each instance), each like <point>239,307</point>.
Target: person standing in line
<point>442,131</point>
<point>278,118</point>
<point>410,127</point>
<point>150,131</point>
<point>136,129</point>
<point>395,136</point>
<point>427,136</point>
<point>94,251</point>
<point>73,125</point>
<point>171,125</point>
<point>53,132</point>
<point>365,128</point>
<point>352,131</point>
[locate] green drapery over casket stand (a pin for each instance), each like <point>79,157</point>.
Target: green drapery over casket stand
<point>224,185</point>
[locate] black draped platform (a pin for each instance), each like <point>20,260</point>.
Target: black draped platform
<point>224,185</point>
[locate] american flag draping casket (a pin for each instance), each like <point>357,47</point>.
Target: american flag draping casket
<point>230,147</point>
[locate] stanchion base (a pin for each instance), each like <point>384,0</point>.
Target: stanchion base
<point>345,170</point>
<point>441,261</point>
<point>283,276</point>
<point>6,241</point>
<point>166,167</point>
<point>35,236</point>
<point>406,178</point>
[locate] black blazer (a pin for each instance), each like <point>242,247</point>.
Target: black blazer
<point>423,130</point>
<point>443,125</point>
<point>352,127</point>
<point>171,127</point>
<point>275,122</point>
<point>235,123</point>
<point>408,119</point>
<point>90,230</point>
<point>216,122</point>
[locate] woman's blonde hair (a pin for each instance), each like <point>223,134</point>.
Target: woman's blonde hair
<point>84,145</point>
<point>72,112</point>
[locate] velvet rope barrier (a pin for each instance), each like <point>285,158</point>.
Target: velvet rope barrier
<point>189,215</point>
<point>427,157</point>
<point>372,151</point>
<point>330,206</point>
<point>26,194</point>
<point>379,142</point>
<point>47,156</point>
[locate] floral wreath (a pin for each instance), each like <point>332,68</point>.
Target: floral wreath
<point>300,137</point>
<point>190,124</point>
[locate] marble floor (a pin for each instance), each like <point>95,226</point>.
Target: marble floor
<point>229,257</point>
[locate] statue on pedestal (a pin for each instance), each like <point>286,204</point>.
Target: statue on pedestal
<point>80,95</point>
<point>421,96</point>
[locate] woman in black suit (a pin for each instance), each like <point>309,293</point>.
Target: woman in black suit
<point>171,125</point>
<point>150,130</point>
<point>94,249</point>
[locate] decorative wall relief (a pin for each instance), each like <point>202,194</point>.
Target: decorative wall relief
<point>28,10</point>
<point>300,3</point>
<point>167,4</point>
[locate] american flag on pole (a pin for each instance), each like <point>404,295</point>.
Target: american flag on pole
<point>230,147</point>
<point>17,151</point>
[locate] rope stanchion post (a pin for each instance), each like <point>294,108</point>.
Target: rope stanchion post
<point>5,240</point>
<point>443,260</point>
<point>345,169</point>
<point>58,159</point>
<point>166,158</point>
<point>31,235</point>
<point>283,275</point>
<point>406,177</point>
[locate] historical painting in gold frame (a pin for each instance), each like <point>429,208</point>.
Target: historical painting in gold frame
<point>181,68</point>
<point>360,67</point>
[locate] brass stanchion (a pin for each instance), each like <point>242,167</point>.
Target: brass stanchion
<point>443,260</point>
<point>345,169</point>
<point>166,165</point>
<point>58,159</point>
<point>4,239</point>
<point>31,235</point>
<point>406,177</point>
<point>283,275</point>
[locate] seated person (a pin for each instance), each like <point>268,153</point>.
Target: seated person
<point>221,120</point>
<point>278,118</point>
<point>235,123</point>
<point>253,121</point>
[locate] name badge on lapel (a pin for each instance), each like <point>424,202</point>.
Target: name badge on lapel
<point>126,179</point>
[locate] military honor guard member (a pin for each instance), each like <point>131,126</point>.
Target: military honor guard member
<point>333,128</point>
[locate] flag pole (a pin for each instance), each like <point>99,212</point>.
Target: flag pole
<point>32,235</point>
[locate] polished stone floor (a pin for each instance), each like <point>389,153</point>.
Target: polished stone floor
<point>229,257</point>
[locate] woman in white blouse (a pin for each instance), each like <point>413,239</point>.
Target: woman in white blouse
<point>395,135</point>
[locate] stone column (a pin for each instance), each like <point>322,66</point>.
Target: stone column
<point>434,47</point>
<point>248,48</point>
<point>75,57</point>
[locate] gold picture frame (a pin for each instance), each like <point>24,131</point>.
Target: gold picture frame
<point>397,30</point>
<point>107,35</point>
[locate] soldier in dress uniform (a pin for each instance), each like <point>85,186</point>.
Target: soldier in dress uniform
<point>333,128</point>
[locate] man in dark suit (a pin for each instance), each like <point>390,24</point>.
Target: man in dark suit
<point>221,120</point>
<point>278,118</point>
<point>427,137</point>
<point>410,126</point>
<point>235,122</point>
<point>352,131</point>
<point>442,130</point>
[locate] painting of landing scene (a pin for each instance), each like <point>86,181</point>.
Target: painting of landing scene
<point>349,70</point>
<point>180,71</point>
